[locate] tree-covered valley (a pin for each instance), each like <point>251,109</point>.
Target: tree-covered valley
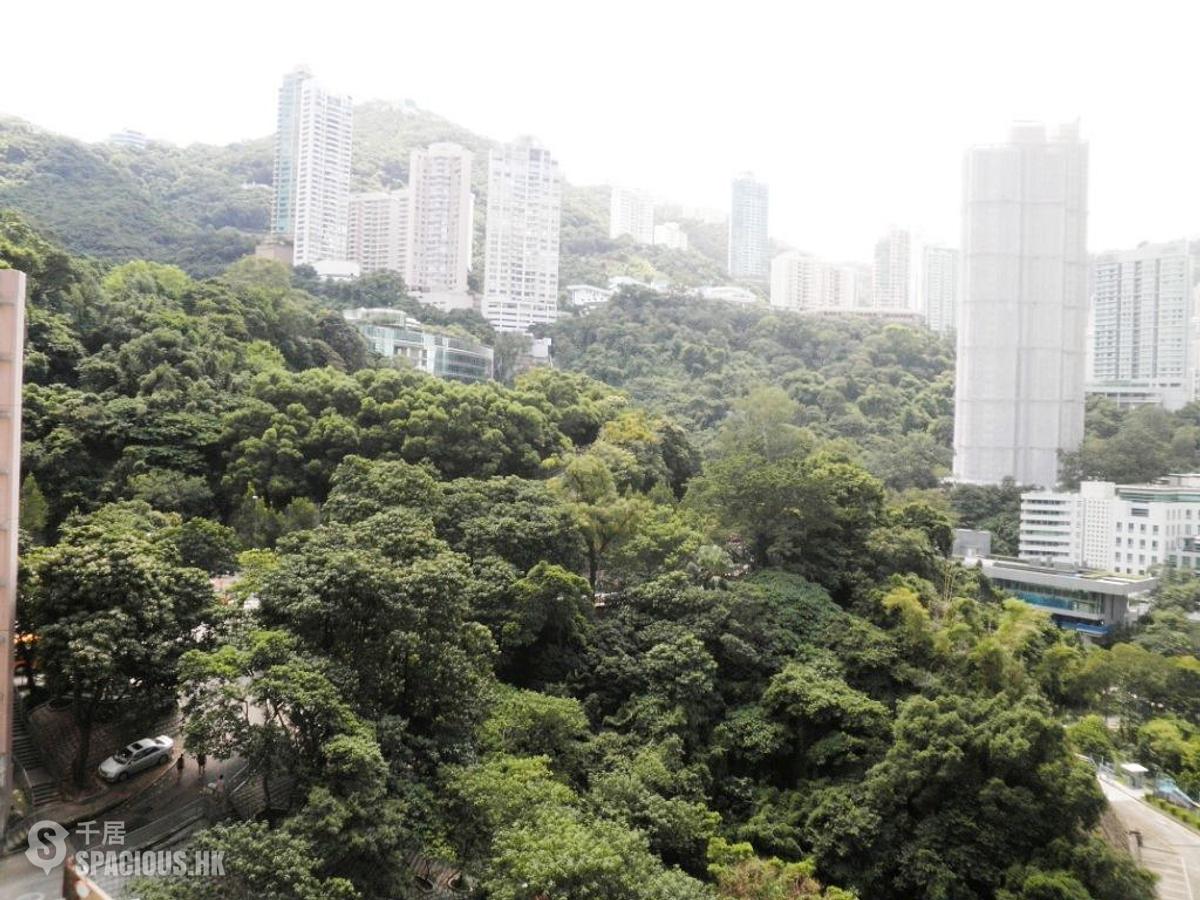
<point>672,619</point>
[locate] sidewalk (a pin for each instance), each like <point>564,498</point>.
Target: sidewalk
<point>1168,849</point>
<point>101,800</point>
<point>149,807</point>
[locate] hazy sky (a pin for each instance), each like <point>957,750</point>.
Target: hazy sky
<point>856,113</point>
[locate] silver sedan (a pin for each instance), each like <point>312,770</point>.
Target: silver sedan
<point>137,757</point>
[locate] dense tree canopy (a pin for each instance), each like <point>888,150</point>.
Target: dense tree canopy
<point>674,619</point>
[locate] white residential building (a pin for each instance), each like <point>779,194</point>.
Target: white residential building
<point>1019,382</point>
<point>939,287</point>
<point>441,216</point>
<point>312,169</point>
<point>631,212</point>
<point>524,209</point>
<point>378,231</point>
<point>672,235</point>
<point>1133,529</point>
<point>804,283</point>
<point>893,263</point>
<point>749,248</point>
<point>1141,326</point>
<point>797,281</point>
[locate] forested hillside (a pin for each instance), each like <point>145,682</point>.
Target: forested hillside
<point>202,207</point>
<point>887,389</point>
<point>662,637</point>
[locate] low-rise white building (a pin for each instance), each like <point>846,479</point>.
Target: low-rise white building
<point>1133,529</point>
<point>394,335</point>
<point>588,294</point>
<point>730,293</point>
<point>337,269</point>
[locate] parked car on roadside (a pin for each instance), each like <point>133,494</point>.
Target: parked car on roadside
<point>137,757</point>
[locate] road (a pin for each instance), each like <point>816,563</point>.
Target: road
<point>1169,850</point>
<point>21,880</point>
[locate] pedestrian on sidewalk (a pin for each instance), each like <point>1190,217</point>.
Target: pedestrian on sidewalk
<point>179,768</point>
<point>221,785</point>
<point>201,759</point>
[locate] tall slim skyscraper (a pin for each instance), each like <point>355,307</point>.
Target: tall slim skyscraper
<point>631,212</point>
<point>441,218</point>
<point>379,228</point>
<point>312,169</point>
<point>1019,391</point>
<point>893,256</point>
<point>749,251</point>
<point>939,287</point>
<point>1142,307</point>
<point>287,136</point>
<point>524,210</point>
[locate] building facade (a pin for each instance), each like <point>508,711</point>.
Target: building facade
<point>797,281</point>
<point>441,218</point>
<point>393,335</point>
<point>1142,350</point>
<point>287,136</point>
<point>749,249</point>
<point>588,294</point>
<point>1089,602</point>
<point>524,211</point>
<point>1131,529</point>
<point>312,190</point>
<point>802,282</point>
<point>670,235</point>
<point>631,212</point>
<point>12,336</point>
<point>893,265</point>
<point>939,287</point>
<point>1019,381</point>
<point>378,231</point>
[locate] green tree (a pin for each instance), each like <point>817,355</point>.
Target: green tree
<point>112,617</point>
<point>35,511</point>
<point>603,516</point>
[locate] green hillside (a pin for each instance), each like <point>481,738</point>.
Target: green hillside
<point>204,206</point>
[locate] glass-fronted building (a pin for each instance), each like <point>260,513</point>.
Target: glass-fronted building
<point>1091,602</point>
<point>392,334</point>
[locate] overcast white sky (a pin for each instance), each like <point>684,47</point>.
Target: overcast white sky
<point>857,113</point>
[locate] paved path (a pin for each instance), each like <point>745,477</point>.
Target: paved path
<point>1169,850</point>
<point>21,880</point>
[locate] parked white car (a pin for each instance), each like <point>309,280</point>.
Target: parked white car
<point>137,757</point>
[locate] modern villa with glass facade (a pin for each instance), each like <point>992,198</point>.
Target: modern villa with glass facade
<point>392,334</point>
<point>1088,601</point>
